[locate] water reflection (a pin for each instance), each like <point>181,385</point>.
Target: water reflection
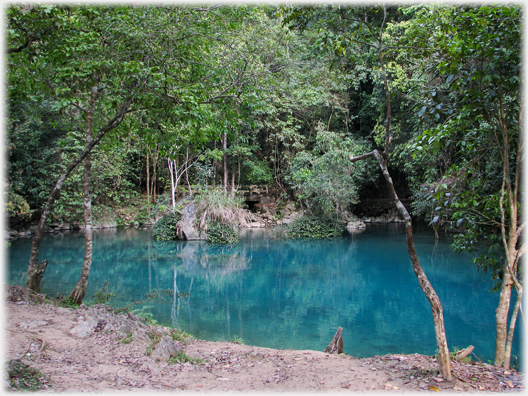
<point>283,293</point>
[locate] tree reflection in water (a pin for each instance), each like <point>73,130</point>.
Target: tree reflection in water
<point>282,293</point>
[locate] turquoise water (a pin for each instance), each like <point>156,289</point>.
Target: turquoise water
<point>284,293</point>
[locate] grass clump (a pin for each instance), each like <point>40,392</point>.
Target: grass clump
<point>155,337</point>
<point>182,357</point>
<point>103,295</point>
<point>127,339</point>
<point>24,377</point>
<point>217,205</point>
<point>166,227</point>
<point>220,214</point>
<point>314,227</point>
<point>180,335</point>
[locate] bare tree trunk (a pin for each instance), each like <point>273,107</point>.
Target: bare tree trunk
<point>436,307</point>
<point>148,177</point>
<point>187,166</point>
<point>224,142</point>
<point>513,320</point>
<point>79,291</point>
<point>153,187</point>
<point>501,317</point>
<point>172,180</point>
<point>233,181</point>
<point>35,271</point>
<point>510,237</point>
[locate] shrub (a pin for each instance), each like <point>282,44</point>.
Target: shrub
<point>165,228</point>
<point>221,233</point>
<point>314,227</point>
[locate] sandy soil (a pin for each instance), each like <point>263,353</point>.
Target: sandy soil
<point>41,336</point>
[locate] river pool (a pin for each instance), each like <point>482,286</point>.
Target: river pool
<point>281,293</point>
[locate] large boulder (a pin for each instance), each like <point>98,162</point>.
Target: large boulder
<point>190,212</point>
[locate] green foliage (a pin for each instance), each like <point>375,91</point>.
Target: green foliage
<point>315,227</point>
<point>103,295</point>
<point>238,340</point>
<point>16,205</point>
<point>181,336</point>
<point>145,313</point>
<point>23,377</point>
<point>324,178</point>
<point>182,357</point>
<point>165,228</point>
<point>155,337</point>
<point>67,303</point>
<point>258,172</point>
<point>221,233</point>
<point>473,149</point>
<point>127,339</point>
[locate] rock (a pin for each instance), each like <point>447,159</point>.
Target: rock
<point>256,225</point>
<point>164,349</point>
<point>188,219</point>
<point>356,224</point>
<point>84,328</point>
<point>33,324</point>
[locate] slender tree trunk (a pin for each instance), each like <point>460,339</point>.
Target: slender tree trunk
<point>224,142</point>
<point>513,320</point>
<point>171,165</point>
<point>153,187</point>
<point>79,291</point>
<point>510,236</point>
<point>148,177</point>
<point>436,307</point>
<point>187,165</point>
<point>501,317</point>
<point>36,271</point>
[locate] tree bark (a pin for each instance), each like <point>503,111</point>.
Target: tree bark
<point>148,177</point>
<point>464,353</point>
<point>33,278</point>
<point>336,345</point>
<point>224,142</point>
<point>79,291</point>
<point>501,318</point>
<point>513,320</point>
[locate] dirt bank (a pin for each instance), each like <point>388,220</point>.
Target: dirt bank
<point>51,339</point>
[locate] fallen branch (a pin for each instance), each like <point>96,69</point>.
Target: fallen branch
<point>464,353</point>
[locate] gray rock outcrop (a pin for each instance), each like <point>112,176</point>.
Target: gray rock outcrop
<point>102,318</point>
<point>164,349</point>
<point>187,224</point>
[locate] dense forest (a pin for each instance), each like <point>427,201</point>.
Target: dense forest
<point>114,114</point>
